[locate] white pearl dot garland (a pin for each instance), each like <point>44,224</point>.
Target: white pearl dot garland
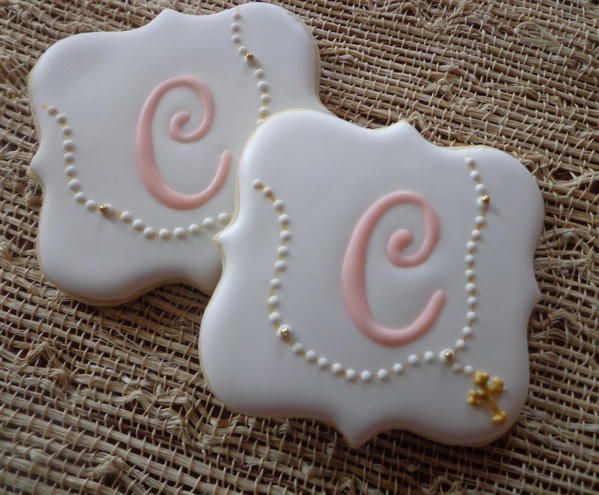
<point>251,61</point>
<point>126,217</point>
<point>446,356</point>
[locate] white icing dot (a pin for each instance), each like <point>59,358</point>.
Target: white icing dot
<point>224,217</point>
<point>460,344</point>
<point>285,235</point>
<point>382,374</point>
<point>471,288</point>
<point>67,131</point>
<point>471,246</point>
<point>61,118</point>
<point>310,356</point>
<point>262,86</point>
<point>472,301</point>
<point>265,98</point>
<point>336,368</point>
<point>69,157</point>
<point>68,145</point>
<point>468,369</point>
<point>164,234</point>
<point>243,50</point>
<point>350,374</point>
<point>480,220</point>
<point>297,348</point>
<point>284,219</point>
<point>481,204</point>
<point>259,73</point>
<point>476,234</point>
<point>264,112</point>
<point>429,356</point>
<point>398,368</point>
<point>126,217</point>
<point>208,222</point>
<point>258,184</point>
<point>474,175</point>
<point>469,161</point>
<point>267,191</point>
<point>236,16</point>
<point>322,362</point>
<point>279,205</point>
<point>236,39</point>
<point>194,229</point>
<point>275,283</point>
<point>469,259</point>
<point>273,301</point>
<point>74,185</point>
<point>480,188</point>
<point>274,317</point>
<point>471,316</point>
<point>235,27</point>
<point>91,205</point>
<point>149,233</point>
<point>138,225</point>
<point>52,110</point>
<point>413,359</point>
<point>366,376</point>
<point>280,265</point>
<point>467,331</point>
<point>179,232</point>
<point>470,273</point>
<point>71,171</point>
<point>80,197</point>
<point>283,251</point>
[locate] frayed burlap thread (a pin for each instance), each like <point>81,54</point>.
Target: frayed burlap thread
<point>112,400</point>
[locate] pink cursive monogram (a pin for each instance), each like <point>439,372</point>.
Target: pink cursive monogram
<point>144,146</point>
<point>353,277</point>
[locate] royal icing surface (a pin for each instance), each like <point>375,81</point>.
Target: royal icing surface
<point>141,133</point>
<point>374,281</point>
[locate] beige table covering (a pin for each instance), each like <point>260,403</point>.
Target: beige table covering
<point>112,400</point>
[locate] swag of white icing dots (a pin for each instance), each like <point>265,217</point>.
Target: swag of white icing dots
<point>125,216</point>
<point>448,357</point>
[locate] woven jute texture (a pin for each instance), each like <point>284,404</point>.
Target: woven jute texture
<point>112,400</point>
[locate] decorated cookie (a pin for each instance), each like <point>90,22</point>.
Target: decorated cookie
<point>374,281</point>
<point>141,133</point>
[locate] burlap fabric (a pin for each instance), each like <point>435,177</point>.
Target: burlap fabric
<point>113,401</point>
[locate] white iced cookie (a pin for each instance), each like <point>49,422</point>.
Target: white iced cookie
<point>141,133</point>
<point>374,280</point>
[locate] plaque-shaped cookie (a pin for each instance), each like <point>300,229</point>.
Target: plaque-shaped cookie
<point>140,137</point>
<point>373,280</point>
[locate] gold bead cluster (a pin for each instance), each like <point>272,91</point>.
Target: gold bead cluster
<point>486,393</point>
